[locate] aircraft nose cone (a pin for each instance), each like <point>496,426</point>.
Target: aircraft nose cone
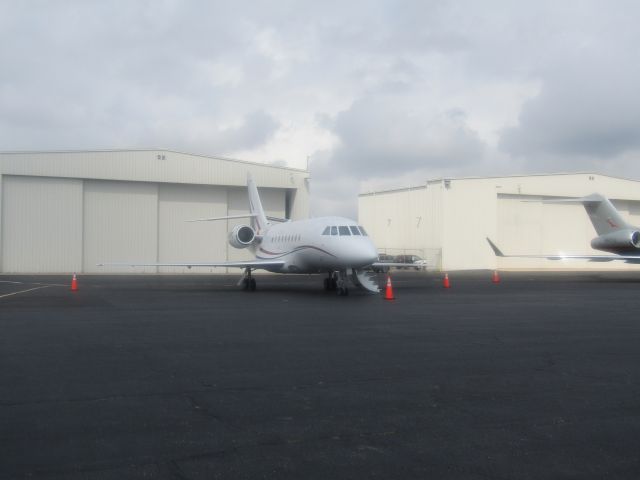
<point>365,255</point>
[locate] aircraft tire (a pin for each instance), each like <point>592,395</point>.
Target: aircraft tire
<point>252,284</point>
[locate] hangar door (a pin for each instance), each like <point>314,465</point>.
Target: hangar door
<point>183,241</point>
<point>528,226</point>
<point>41,224</point>
<point>120,225</point>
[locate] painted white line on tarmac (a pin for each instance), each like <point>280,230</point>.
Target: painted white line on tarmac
<point>23,291</point>
<point>35,283</point>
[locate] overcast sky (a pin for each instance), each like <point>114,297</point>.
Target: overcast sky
<point>375,93</point>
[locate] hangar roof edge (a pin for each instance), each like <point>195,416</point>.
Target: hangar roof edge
<point>443,179</point>
<point>114,150</point>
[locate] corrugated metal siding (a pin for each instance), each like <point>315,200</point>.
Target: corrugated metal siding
<point>469,216</point>
<point>396,221</point>
<point>181,241</point>
<point>273,201</point>
<point>134,204</point>
<point>461,216</point>
<point>42,224</point>
<point>120,225</point>
<point>629,209</point>
<point>161,166</point>
<point>300,200</point>
<point>433,216</point>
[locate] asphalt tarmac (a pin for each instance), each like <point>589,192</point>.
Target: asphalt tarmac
<point>186,377</point>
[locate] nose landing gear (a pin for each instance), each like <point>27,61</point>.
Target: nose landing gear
<point>337,281</point>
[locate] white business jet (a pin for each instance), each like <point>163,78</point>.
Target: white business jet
<point>615,235</point>
<point>333,245</point>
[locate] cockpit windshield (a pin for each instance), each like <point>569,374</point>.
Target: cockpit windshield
<point>344,231</point>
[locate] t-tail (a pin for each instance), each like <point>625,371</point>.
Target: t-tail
<point>258,219</point>
<point>603,215</point>
<point>615,235</point>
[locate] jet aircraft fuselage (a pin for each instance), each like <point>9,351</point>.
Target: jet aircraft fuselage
<point>316,245</point>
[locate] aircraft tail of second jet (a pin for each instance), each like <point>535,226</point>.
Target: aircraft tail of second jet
<point>603,215</point>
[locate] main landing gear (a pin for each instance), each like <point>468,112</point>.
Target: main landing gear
<point>337,282</point>
<point>247,282</point>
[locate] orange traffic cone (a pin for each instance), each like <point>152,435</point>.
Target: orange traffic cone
<point>74,283</point>
<point>445,281</point>
<point>496,277</point>
<point>388,293</point>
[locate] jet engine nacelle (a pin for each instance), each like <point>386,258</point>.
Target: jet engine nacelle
<point>241,236</point>
<point>621,239</point>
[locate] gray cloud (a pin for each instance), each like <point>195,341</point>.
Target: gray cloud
<point>588,107</point>
<point>255,130</point>
<point>383,133</point>
<point>384,137</point>
<point>411,88</point>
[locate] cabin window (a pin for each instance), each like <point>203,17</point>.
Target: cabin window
<point>327,231</point>
<point>344,231</point>
<point>354,230</point>
<point>364,232</point>
<point>334,230</point>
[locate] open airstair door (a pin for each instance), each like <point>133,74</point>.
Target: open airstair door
<point>366,280</point>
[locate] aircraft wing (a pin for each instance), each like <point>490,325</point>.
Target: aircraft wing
<point>398,265</point>
<point>592,258</point>
<point>239,264</point>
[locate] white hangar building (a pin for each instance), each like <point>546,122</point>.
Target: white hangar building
<point>446,221</point>
<point>69,211</point>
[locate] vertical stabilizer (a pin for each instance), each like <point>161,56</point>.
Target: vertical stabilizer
<point>603,215</point>
<point>259,221</point>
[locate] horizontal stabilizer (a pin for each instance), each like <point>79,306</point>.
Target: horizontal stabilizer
<point>246,215</point>
<point>398,265</point>
<point>603,215</point>
<point>278,219</point>
<point>593,198</point>
<point>228,217</point>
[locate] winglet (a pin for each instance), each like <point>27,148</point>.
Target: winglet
<point>495,249</point>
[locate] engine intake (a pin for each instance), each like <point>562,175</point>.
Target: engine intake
<point>619,240</point>
<point>241,236</point>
